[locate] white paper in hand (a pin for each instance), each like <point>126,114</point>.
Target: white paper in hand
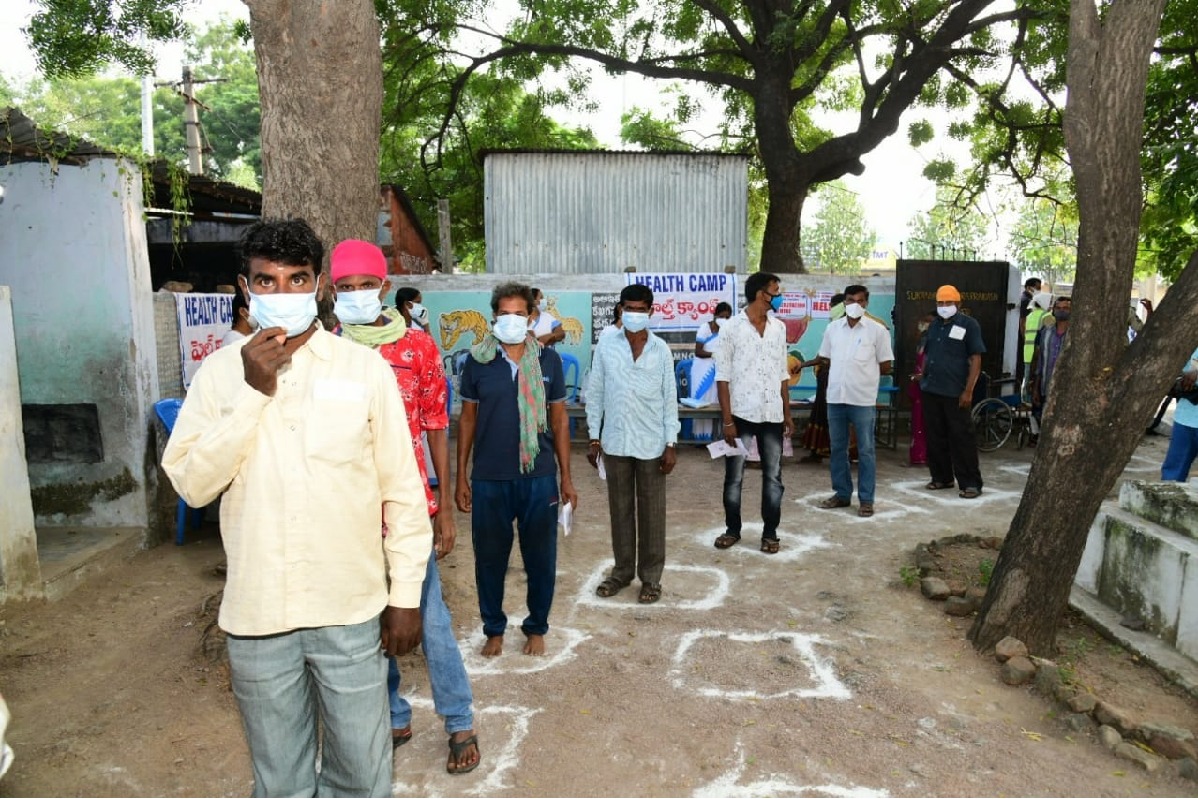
<point>565,517</point>
<point>720,449</point>
<point>601,468</point>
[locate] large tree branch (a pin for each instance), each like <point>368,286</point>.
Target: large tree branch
<point>747,51</point>
<point>649,68</point>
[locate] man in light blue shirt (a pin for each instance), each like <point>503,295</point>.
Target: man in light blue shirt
<point>633,400</point>
<point>1183,445</point>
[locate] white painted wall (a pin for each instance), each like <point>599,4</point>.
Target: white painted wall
<point>20,575</point>
<point>73,250</point>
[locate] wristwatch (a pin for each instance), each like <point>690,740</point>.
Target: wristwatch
<point>671,446</point>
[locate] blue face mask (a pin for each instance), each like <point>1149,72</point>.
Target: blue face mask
<point>510,328</point>
<point>358,307</point>
<point>635,321</point>
<point>776,303</point>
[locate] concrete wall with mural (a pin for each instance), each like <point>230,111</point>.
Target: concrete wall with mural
<point>73,250</point>
<point>460,311</point>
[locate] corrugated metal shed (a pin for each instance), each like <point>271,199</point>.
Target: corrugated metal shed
<point>586,212</point>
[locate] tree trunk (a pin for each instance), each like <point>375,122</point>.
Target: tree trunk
<point>1104,391</point>
<point>320,77</point>
<point>782,235</point>
<point>786,185</point>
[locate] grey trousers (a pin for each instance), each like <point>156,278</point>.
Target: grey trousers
<point>284,683</point>
<point>636,498</point>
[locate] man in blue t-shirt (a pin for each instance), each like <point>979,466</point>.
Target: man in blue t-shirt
<point>1183,444</point>
<point>514,418</point>
<point>953,350</point>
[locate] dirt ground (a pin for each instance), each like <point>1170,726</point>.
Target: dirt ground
<point>811,672</point>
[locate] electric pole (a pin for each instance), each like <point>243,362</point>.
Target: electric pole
<point>191,116</point>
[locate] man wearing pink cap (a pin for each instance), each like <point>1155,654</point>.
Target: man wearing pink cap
<point>952,347</point>
<point>359,275</point>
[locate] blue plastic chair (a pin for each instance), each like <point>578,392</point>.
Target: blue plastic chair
<point>167,411</point>
<point>682,381</point>
<point>570,363</point>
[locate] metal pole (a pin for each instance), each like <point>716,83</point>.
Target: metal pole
<point>191,116</point>
<point>443,232</point>
<point>147,114</point>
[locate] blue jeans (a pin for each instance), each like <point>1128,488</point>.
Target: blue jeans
<point>446,674</point>
<point>532,503</point>
<point>1183,446</point>
<point>285,683</point>
<point>862,417</point>
<point>769,447</point>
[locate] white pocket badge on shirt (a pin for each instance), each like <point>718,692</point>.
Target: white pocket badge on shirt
<point>339,390</point>
<point>957,333</point>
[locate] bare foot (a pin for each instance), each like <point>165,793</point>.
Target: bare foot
<point>463,752</point>
<point>535,645</point>
<point>493,647</point>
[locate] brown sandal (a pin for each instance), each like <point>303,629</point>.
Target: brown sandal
<point>726,540</point>
<point>650,593</point>
<point>770,546</point>
<point>609,587</point>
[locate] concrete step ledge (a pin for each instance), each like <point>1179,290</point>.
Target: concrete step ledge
<point>1179,669</point>
<point>113,545</point>
<point>1173,506</point>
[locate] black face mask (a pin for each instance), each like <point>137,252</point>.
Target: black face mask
<point>1061,316</point>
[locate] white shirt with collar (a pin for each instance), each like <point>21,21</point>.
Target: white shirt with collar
<point>754,366</point>
<point>856,353</point>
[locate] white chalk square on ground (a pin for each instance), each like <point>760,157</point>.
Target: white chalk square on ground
<point>886,509</point>
<point>561,644</point>
<point>683,588</point>
<point>729,784</point>
<point>752,666</point>
<point>793,546</point>
<point>419,766</point>
<point>950,497</point>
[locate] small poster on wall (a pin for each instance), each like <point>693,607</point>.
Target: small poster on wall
<point>203,321</point>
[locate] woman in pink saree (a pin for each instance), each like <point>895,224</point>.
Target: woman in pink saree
<point>917,454</point>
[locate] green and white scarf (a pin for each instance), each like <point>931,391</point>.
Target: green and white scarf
<point>530,394</point>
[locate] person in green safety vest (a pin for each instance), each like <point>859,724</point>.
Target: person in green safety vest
<point>1039,312</point>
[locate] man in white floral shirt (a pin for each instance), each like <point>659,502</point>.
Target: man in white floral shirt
<point>752,381</point>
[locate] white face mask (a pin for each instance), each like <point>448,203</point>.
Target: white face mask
<point>635,321</point>
<point>358,307</point>
<point>292,312</point>
<point>947,311</point>
<point>543,306</point>
<point>419,314</point>
<point>720,321</point>
<point>510,328</point>
<point>854,310</point>
<point>923,326</point>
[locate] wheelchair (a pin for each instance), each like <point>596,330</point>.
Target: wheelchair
<point>997,418</point>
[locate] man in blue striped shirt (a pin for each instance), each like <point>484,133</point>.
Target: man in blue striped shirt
<point>632,414</point>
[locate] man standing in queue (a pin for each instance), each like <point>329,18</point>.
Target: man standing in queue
<point>952,362</point>
<point>305,435</point>
<point>632,414</point>
<point>514,420</point>
<point>753,385</point>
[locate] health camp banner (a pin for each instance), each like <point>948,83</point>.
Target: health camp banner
<point>203,321</point>
<point>681,300</point>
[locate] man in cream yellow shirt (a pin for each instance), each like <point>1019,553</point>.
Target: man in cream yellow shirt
<point>305,435</point>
